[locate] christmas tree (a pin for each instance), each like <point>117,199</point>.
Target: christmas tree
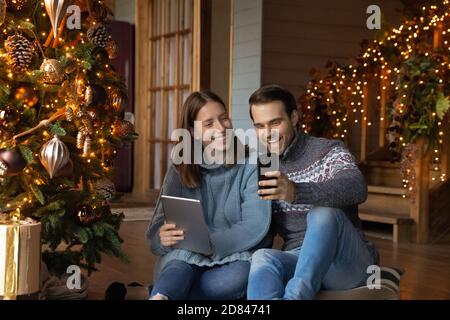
<point>61,125</point>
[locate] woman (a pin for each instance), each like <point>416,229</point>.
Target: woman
<point>237,219</point>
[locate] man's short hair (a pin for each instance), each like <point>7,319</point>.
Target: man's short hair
<point>270,93</point>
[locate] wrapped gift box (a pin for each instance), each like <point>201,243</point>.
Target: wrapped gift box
<point>28,256</point>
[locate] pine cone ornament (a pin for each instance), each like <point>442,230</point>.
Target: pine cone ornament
<point>105,188</point>
<point>122,128</point>
<point>87,122</point>
<point>70,116</point>
<point>80,113</point>
<point>82,129</point>
<point>87,146</point>
<point>19,51</point>
<point>98,34</point>
<point>80,139</point>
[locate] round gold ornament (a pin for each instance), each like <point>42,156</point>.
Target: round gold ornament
<point>53,71</point>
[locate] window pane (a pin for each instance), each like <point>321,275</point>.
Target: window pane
<point>156,14</point>
<point>187,14</point>
<point>171,116</point>
<point>173,15</point>
<point>171,69</point>
<point>187,59</point>
<point>172,61</point>
<point>157,63</point>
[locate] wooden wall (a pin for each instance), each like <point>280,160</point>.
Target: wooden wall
<point>302,34</point>
<point>246,69</point>
<point>220,48</point>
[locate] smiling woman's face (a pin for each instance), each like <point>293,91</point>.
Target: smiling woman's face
<point>214,123</point>
<point>271,117</point>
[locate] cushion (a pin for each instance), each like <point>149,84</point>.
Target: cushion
<point>389,289</point>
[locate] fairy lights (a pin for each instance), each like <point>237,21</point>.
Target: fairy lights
<point>339,93</point>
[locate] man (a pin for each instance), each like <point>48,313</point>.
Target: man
<point>315,195</point>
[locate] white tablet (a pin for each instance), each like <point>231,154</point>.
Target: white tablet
<point>187,215</point>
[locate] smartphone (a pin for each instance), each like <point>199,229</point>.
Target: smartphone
<point>264,165</point>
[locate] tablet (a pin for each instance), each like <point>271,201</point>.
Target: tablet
<point>187,215</point>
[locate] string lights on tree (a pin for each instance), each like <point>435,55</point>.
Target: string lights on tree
<point>60,100</point>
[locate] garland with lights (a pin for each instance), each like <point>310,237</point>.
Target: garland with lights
<point>61,126</point>
<point>410,63</point>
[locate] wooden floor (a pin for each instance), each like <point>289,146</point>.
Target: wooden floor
<point>427,267</point>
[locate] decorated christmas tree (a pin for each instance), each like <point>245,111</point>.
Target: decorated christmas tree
<point>61,125</point>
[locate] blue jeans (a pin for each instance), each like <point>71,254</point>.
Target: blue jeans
<point>334,256</point>
<point>179,280</point>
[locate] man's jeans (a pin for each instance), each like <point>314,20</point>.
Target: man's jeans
<point>179,280</point>
<point>334,256</point>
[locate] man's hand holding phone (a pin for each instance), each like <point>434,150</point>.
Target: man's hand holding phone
<point>277,186</point>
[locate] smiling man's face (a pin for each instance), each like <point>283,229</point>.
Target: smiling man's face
<point>271,116</point>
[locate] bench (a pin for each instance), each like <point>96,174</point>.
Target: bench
<point>401,225</point>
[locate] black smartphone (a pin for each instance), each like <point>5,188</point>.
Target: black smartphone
<point>264,165</point>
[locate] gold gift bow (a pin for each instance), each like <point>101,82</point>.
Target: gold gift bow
<point>11,260</point>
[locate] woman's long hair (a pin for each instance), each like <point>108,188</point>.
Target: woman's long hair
<point>190,173</point>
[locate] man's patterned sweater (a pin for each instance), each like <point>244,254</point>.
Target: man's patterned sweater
<point>326,175</point>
